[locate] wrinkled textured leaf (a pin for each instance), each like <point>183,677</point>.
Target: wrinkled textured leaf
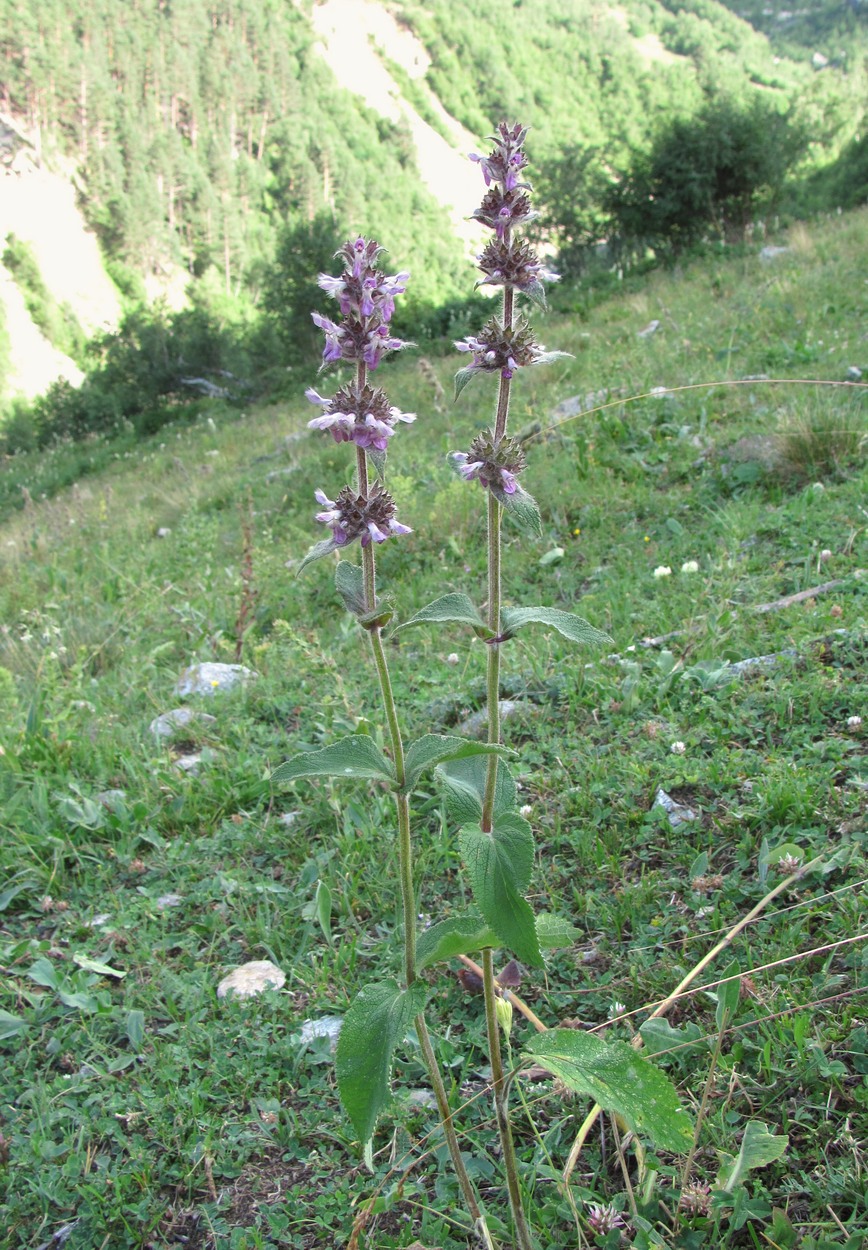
<point>464,789</point>
<point>317,551</point>
<point>375,1025</point>
<point>522,508</point>
<point>451,607</point>
<point>758,1147</point>
<point>356,756</point>
<point>555,933</point>
<point>350,585</point>
<point>462,377</point>
<point>499,865</point>
<point>619,1080</point>
<point>566,623</point>
<point>437,749</point>
<point>459,935</point>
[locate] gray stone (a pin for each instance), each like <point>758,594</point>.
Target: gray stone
<point>854,374</point>
<point>208,678</point>
<point>651,328</point>
<point>165,725</point>
<point>325,1026</point>
<point>112,799</point>
<point>475,725</point>
<point>771,253</point>
<point>677,814</point>
<point>189,764</point>
<point>760,661</point>
<point>169,900</point>
<point>252,978</point>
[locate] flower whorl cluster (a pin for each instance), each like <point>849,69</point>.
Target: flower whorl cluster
<point>494,465</point>
<point>502,349</point>
<point>357,412</point>
<point>370,518</point>
<point>362,415</point>
<point>367,300</point>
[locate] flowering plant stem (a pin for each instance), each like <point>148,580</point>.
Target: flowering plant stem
<point>405,865</point>
<point>499,1085</point>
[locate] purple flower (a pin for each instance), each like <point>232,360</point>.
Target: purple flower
<point>363,416</point>
<point>502,350</point>
<point>506,160</point>
<point>353,516</point>
<point>494,465</point>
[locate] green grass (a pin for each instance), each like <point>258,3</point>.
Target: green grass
<point>149,1112</point>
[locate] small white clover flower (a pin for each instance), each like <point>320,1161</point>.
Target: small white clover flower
<point>690,566</point>
<point>854,722</point>
<point>525,810</point>
<point>825,554</point>
<point>615,1009</point>
<point>678,748</point>
<point>662,570</point>
<point>452,657</point>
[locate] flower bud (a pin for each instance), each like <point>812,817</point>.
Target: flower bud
<point>503,1007</point>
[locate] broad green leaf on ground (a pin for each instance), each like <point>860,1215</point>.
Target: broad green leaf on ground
<point>758,1147</point>
<point>452,607</point>
<point>375,1025</point>
<point>43,972</point>
<point>135,1027</point>
<point>356,756</point>
<point>11,1026</point>
<point>661,1038</point>
<point>522,508</point>
<point>619,1080</point>
<point>566,623</point>
<point>459,935</point>
<point>350,585</point>
<point>94,965</point>
<point>434,749</point>
<point>499,864</point>
<point>464,788</point>
<point>555,933</point>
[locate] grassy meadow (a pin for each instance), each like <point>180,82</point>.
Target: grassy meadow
<point>137,1109</point>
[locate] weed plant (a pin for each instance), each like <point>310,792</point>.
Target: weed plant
<point>138,1110</point>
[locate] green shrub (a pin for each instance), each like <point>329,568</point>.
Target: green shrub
<point>57,321</point>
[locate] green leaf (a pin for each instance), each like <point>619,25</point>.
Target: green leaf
<point>464,789</point>
<point>350,585</point>
<point>499,865</point>
<point>522,508</point>
<point>325,548</point>
<point>459,935</point>
<point>619,1080</point>
<point>43,972</point>
<point>572,627</point>
<point>94,965</point>
<point>553,556</point>
<point>356,756</point>
<point>451,607</point>
<point>323,908</point>
<point>661,1038</point>
<point>758,1147</point>
<point>463,377</point>
<point>434,749</point>
<point>135,1027</point>
<point>727,996</point>
<point>7,895</point>
<point>78,999</point>
<point>376,1023</point>
<point>554,933</point>
<point>11,1026</point>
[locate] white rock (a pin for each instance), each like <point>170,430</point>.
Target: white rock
<point>163,532</point>
<point>771,253</point>
<point>326,1026</point>
<point>189,763</point>
<point>208,678</point>
<point>475,724</point>
<point>651,328</point>
<point>164,725</point>
<point>169,900</point>
<point>252,978</point>
<point>854,373</point>
<point>678,814</point>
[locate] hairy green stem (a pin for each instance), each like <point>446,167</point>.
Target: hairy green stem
<point>405,868</point>
<point>523,1238</point>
